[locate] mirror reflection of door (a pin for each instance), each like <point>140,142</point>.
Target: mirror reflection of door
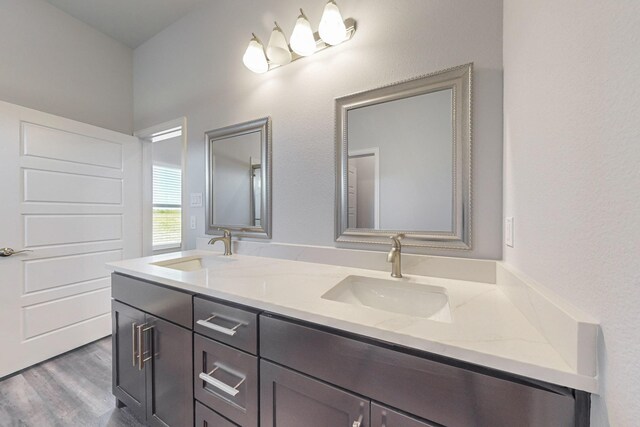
<point>256,193</point>
<point>364,188</point>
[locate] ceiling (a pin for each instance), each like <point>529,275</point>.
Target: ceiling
<point>130,21</point>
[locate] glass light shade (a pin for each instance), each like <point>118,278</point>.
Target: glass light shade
<point>254,57</point>
<point>302,41</point>
<point>278,49</point>
<point>332,29</point>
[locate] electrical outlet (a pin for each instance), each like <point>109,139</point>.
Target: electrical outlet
<point>196,200</point>
<point>508,231</point>
<point>193,223</point>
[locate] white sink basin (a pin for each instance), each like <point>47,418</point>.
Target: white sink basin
<point>194,263</point>
<point>396,296</point>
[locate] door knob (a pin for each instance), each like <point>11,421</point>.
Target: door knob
<point>5,252</point>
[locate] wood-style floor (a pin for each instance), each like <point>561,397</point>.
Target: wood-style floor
<point>72,390</point>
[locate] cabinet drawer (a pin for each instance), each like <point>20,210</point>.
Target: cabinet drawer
<point>226,380</point>
<point>439,392</point>
<point>205,417</point>
<point>155,299</point>
<point>233,326</point>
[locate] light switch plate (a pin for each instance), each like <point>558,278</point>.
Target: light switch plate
<point>196,200</point>
<point>193,223</point>
<point>508,231</point>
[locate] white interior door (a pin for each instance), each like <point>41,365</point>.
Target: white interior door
<point>70,195</point>
<point>352,199</point>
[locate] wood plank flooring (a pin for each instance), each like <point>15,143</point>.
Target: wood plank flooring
<point>72,390</point>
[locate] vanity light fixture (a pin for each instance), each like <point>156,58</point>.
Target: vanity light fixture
<point>302,41</point>
<point>254,57</point>
<point>278,50</point>
<point>333,30</point>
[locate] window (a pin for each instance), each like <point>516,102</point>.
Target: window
<point>167,207</point>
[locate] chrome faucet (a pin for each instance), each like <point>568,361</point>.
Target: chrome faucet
<point>226,239</point>
<point>394,255</point>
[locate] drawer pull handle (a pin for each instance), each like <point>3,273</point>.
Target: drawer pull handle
<point>227,331</point>
<point>232,391</point>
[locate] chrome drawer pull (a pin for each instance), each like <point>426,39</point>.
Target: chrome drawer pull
<point>207,324</point>
<point>232,391</point>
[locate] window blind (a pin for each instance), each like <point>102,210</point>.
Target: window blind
<point>167,207</point>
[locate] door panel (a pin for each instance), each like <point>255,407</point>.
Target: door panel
<point>128,381</point>
<point>70,194</point>
<point>289,399</point>
<point>169,374</point>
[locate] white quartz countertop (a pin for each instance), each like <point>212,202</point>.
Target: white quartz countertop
<point>486,328</point>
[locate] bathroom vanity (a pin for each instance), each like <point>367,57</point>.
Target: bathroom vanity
<point>201,339</point>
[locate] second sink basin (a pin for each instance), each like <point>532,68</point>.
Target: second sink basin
<point>194,263</point>
<point>408,298</point>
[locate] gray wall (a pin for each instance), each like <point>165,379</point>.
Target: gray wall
<point>572,183</point>
<point>54,63</point>
<point>207,82</point>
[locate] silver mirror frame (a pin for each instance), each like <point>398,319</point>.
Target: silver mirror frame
<point>262,125</point>
<point>459,79</point>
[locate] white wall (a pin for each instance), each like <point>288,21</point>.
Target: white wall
<point>52,62</point>
<point>572,175</point>
<point>194,68</point>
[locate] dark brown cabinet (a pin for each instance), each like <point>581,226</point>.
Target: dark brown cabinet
<point>289,399</point>
<point>382,416</point>
<point>182,359</point>
<point>128,382</point>
<point>169,386</point>
<point>152,368</point>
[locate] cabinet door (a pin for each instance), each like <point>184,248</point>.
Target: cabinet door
<point>385,417</point>
<point>169,371</point>
<point>128,381</point>
<point>289,399</point>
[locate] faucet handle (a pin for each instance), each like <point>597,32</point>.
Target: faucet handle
<point>396,240</point>
<point>227,232</point>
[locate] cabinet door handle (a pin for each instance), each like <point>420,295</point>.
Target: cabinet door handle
<point>141,329</point>
<point>134,344</point>
<point>358,423</point>
<point>232,391</point>
<point>227,331</point>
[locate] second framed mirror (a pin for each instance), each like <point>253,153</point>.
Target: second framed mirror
<point>238,193</point>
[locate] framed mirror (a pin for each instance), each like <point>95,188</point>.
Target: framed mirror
<point>403,162</point>
<point>238,193</point>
